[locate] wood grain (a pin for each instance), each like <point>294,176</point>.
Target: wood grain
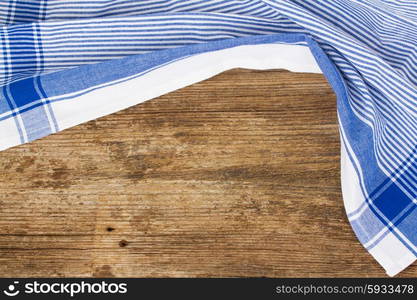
<point>234,176</point>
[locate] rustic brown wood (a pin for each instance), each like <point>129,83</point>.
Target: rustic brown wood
<point>234,176</point>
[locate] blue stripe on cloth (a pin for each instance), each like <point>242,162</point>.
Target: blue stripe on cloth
<point>12,108</point>
<point>35,122</point>
<point>54,51</point>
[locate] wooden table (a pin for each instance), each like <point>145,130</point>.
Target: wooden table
<point>234,176</point>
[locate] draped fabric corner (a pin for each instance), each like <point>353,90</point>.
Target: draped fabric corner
<point>66,62</point>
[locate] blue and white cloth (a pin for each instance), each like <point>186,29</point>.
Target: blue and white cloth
<point>66,62</point>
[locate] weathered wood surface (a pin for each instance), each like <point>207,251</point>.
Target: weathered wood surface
<point>234,176</point>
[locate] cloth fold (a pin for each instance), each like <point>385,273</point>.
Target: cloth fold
<point>67,62</point>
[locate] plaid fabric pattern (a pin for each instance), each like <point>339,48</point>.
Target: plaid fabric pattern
<point>66,62</point>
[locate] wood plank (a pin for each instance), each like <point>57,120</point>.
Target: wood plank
<point>234,176</point>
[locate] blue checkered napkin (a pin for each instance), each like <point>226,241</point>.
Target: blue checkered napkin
<point>67,62</point>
